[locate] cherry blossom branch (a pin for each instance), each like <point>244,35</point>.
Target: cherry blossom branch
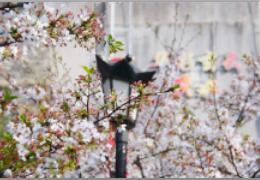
<point>223,170</point>
<point>131,100</point>
<point>230,158</point>
<point>233,161</point>
<point>166,73</point>
<point>242,111</point>
<point>213,74</point>
<point>154,109</point>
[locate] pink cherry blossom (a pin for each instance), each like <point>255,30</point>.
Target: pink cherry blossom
<point>230,62</point>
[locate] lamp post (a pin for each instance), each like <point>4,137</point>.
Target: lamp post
<point>117,77</point>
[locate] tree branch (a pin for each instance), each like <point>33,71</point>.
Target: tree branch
<point>254,175</point>
<point>131,100</point>
<point>138,163</point>
<point>199,156</point>
<point>7,43</point>
<point>10,6</point>
<point>233,161</point>
<point>242,111</point>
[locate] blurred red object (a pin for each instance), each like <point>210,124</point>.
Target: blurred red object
<point>116,59</point>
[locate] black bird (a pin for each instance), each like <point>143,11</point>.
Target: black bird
<point>123,70</point>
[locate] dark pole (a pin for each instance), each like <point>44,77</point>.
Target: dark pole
<point>121,154</point>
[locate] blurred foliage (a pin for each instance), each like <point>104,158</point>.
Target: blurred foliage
<point>8,153</point>
<point>6,98</point>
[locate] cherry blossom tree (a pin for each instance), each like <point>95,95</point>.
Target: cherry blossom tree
<point>193,132</point>
<point>181,128</point>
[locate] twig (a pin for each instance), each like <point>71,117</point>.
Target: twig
<point>138,163</point>
<point>255,173</point>
<point>159,153</point>
<point>199,156</point>
<point>183,31</point>
<point>174,31</point>
<point>233,161</point>
<point>154,110</point>
<point>215,100</point>
<point>242,111</point>
<point>7,43</point>
<point>190,41</point>
<point>230,158</point>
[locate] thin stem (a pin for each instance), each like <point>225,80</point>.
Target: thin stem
<point>189,41</point>
<point>199,156</point>
<point>154,110</point>
<point>233,161</point>
<point>175,28</point>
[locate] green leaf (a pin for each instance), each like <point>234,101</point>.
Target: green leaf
<point>7,136</point>
<point>31,156</point>
<point>47,142</point>
<point>25,120</point>
<point>44,122</point>
<point>70,150</point>
<point>88,70</point>
<point>110,38</point>
<point>82,113</point>
<point>173,88</point>
<point>176,86</point>
<point>14,33</point>
<point>8,96</point>
<point>65,106</point>
<point>114,45</point>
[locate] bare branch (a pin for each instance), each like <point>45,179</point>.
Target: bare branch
<point>138,163</point>
<point>199,156</point>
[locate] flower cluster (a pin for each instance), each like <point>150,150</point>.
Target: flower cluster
<point>58,138</point>
<point>36,24</point>
<point>198,135</point>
